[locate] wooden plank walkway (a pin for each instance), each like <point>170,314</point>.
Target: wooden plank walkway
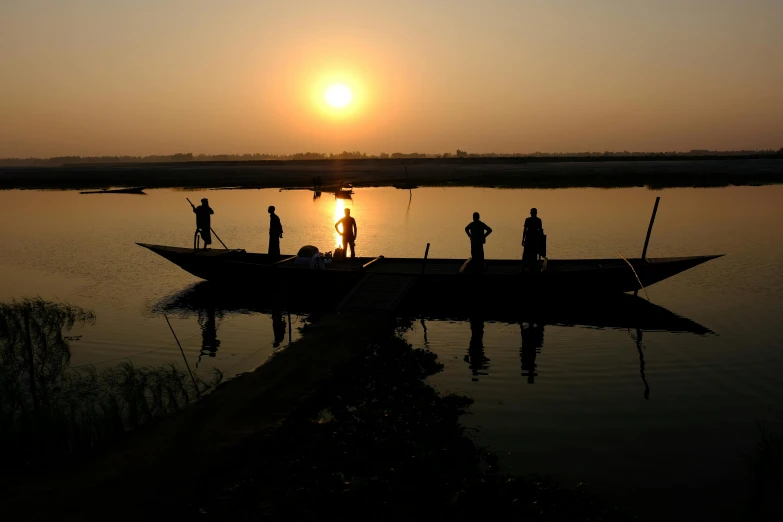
<point>377,292</point>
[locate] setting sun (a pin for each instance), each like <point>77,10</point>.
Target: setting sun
<point>338,96</point>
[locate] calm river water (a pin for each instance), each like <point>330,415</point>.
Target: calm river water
<point>568,401</point>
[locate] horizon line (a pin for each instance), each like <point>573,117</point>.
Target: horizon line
<point>356,154</point>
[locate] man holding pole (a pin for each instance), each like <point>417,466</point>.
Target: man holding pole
<point>203,221</point>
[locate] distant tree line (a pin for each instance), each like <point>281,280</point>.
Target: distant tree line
<point>344,155</point>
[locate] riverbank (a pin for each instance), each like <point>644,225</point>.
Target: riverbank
<point>342,422</point>
<point>407,173</point>
<point>165,461</point>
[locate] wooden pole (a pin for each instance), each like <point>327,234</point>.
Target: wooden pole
<point>218,238</point>
<point>198,394</point>
<point>647,239</point>
<point>424,262</point>
<point>649,229</point>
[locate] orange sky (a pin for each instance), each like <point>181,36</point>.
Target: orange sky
<point>157,77</point>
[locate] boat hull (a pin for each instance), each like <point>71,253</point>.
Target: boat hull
<point>452,278</point>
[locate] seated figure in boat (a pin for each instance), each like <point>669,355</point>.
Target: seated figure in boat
<point>348,232</point>
<point>477,231</point>
<point>310,257</point>
<point>203,221</point>
<point>533,242</point>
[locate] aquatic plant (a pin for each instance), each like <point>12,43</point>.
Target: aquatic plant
<point>766,466</point>
<point>48,408</point>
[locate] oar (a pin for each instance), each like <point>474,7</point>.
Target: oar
<point>212,229</point>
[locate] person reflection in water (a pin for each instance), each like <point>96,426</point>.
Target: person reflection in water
<point>475,358</point>
<point>278,327</point>
<point>532,342</point>
<point>203,221</point>
<point>275,232</point>
<point>477,231</point>
<point>348,233</point>
<point>209,340</point>
<point>532,241</point>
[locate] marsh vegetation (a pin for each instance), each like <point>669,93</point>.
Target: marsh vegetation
<point>49,408</point>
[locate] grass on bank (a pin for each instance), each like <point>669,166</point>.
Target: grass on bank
<point>48,408</point>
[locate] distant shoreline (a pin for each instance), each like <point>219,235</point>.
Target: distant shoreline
<point>528,172</point>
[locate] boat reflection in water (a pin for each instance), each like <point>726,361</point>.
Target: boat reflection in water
<point>209,301</point>
<point>622,312</point>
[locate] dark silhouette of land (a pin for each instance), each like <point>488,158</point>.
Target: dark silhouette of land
<point>522,172</point>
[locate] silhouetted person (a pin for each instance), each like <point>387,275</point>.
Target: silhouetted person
<point>532,241</point>
<point>348,233</point>
<point>278,327</point>
<point>475,357</point>
<point>532,342</point>
<point>477,231</point>
<point>275,232</point>
<point>203,221</point>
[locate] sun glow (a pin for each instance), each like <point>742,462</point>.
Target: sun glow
<point>339,213</point>
<point>338,95</point>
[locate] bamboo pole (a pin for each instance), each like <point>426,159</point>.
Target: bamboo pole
<point>424,262</point>
<point>198,394</point>
<point>647,239</point>
<point>649,228</point>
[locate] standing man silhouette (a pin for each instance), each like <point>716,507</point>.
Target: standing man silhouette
<point>532,239</point>
<point>348,233</point>
<point>477,231</point>
<point>203,221</point>
<point>275,232</point>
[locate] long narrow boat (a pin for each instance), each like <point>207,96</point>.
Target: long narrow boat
<point>501,278</point>
<point>126,190</point>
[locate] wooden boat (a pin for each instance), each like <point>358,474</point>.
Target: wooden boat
<point>443,277</point>
<point>343,193</point>
<point>129,190</point>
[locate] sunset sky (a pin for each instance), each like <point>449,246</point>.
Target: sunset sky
<point>111,77</point>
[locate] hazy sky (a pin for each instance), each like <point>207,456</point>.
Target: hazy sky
<point>95,77</point>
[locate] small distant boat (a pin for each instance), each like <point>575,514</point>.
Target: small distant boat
<point>342,193</point>
<point>128,190</point>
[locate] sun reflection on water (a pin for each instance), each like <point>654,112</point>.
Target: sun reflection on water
<point>339,213</point>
